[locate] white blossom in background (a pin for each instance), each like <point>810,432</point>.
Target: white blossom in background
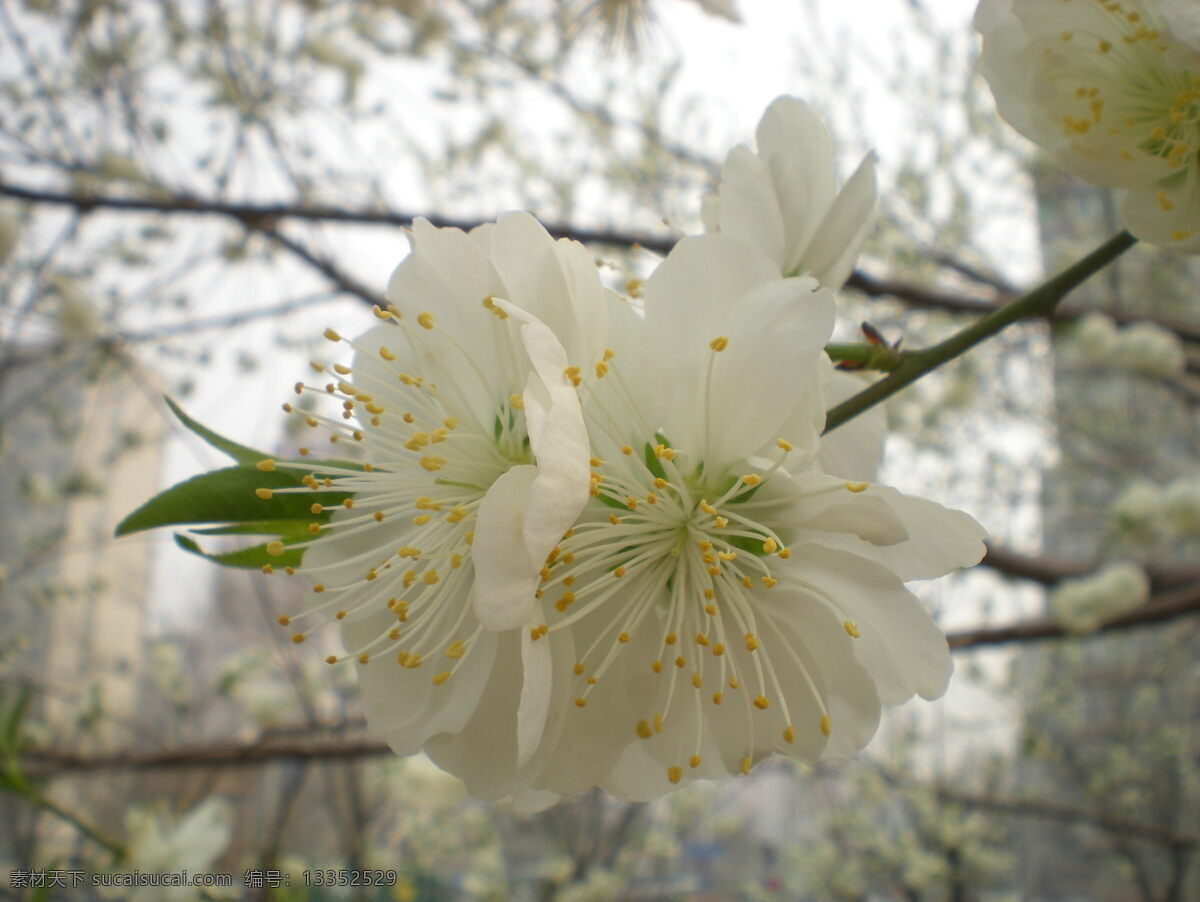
<point>162,844</point>
<point>470,422</point>
<point>1112,91</point>
<point>1093,338</point>
<point>1149,348</point>
<point>1182,505</point>
<point>727,598</point>
<point>784,198</point>
<point>1083,605</point>
<point>1138,510</point>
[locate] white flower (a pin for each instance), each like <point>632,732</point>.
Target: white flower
<point>1138,510</point>
<point>160,844</point>
<point>1094,338</point>
<point>465,404</point>
<point>785,201</point>
<point>1082,605</point>
<point>728,599</point>
<point>1112,91</point>
<point>1146,347</point>
<point>1183,505</point>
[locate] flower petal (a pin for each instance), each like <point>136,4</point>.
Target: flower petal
<point>830,256</point>
<point>535,692</point>
<point>505,583</point>
<point>748,207</point>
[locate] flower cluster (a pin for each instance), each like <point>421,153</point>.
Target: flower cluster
<point>1082,605</point>
<point>1141,347</point>
<point>1112,90</point>
<point>594,542</point>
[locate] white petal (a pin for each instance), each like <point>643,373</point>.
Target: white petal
<point>503,595</point>
<point>776,334</point>
<point>558,438</point>
<point>830,256</point>
<point>900,645</point>
<point>854,450</point>
<point>748,206</point>
<point>535,692</point>
<point>791,129</point>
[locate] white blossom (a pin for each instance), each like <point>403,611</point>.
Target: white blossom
<point>161,844</point>
<point>785,201</point>
<point>1094,338</point>
<point>728,599</point>
<point>1146,347</point>
<point>1182,505</point>
<point>1112,91</point>
<point>465,403</point>
<point>1083,605</point>
<point>1138,510</point>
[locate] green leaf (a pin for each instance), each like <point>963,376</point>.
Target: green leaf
<point>240,453</point>
<point>263,527</point>
<point>254,556</point>
<point>228,496</point>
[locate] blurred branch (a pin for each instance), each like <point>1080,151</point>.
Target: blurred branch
<point>1165,606</point>
<point>264,218</point>
<point>1068,814</point>
<point>1050,570</point>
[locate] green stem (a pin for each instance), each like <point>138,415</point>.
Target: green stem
<point>41,801</point>
<point>1041,301</point>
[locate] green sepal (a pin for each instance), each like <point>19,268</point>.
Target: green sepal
<point>228,496</point>
<point>240,453</point>
<point>253,557</point>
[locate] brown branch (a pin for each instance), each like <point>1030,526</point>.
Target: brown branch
<point>264,218</point>
<point>1069,814</point>
<point>1166,606</point>
<point>1049,570</point>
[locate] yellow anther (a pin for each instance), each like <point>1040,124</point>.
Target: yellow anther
<point>332,335</point>
<point>364,658</point>
<point>770,546</point>
<point>851,629</point>
<point>516,401</point>
<point>751,479</point>
<point>378,515</point>
<point>266,466</point>
<point>316,509</point>
<point>674,773</point>
<point>769,581</point>
<point>784,444</point>
<point>626,450</point>
<point>727,555</point>
<point>658,723</point>
<point>303,451</point>
<point>857,487</point>
<point>721,522</point>
<point>275,549</point>
<point>386,354</point>
<point>643,730</point>
<point>1181,235</point>
<point>679,661</point>
<point>469,537</point>
<point>716,698</point>
<point>619,572</point>
<point>701,639</point>
<point>431,463</point>
<point>746,765</point>
<point>623,638</point>
<point>441,677</point>
<point>659,482</point>
<point>581,703</point>
<point>283,619</point>
<point>371,574</point>
<point>429,577</point>
<point>785,553</point>
<point>317,367</point>
<point>318,588</point>
<point>1104,46</point>
<point>414,661</point>
<point>298,638</point>
<point>670,638</point>
<point>425,320</point>
<point>314,528</point>
<point>421,519</point>
<point>454,650</point>
<point>656,666</point>
<point>601,369</point>
<point>734,684</point>
<point>720,343</point>
<point>694,761</point>
<point>751,642</point>
<point>718,649</point>
<point>331,659</point>
<point>267,568</point>
<point>760,702</point>
<point>697,681</point>
<point>264,494</point>
<point>608,354</point>
<point>788,733</point>
<point>826,729</point>
<point>341,369</point>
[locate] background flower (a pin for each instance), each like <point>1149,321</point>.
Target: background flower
<point>1112,91</point>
